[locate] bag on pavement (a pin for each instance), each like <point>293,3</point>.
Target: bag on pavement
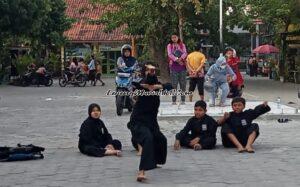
<point>21,153</point>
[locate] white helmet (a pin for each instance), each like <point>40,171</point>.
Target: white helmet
<point>126,47</point>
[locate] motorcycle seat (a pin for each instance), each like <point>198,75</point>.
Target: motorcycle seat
<point>119,74</point>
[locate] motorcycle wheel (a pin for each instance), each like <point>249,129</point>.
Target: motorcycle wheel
<point>81,81</point>
<point>49,82</point>
<point>119,105</point>
<point>24,83</point>
<point>129,104</point>
<point>62,82</point>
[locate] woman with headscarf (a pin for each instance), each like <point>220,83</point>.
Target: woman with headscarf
<point>94,138</point>
<point>126,60</point>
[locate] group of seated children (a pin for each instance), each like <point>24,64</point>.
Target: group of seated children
<point>199,132</point>
<point>237,127</point>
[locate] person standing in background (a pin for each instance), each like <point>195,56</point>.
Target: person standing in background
<point>195,66</point>
<point>177,54</point>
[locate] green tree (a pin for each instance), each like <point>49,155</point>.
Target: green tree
<point>154,20</point>
<point>22,18</point>
<point>182,9</point>
<point>54,25</point>
<point>275,14</point>
<point>35,23</point>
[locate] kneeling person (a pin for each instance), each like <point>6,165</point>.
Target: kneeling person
<point>203,130</point>
<point>94,138</point>
<point>237,129</point>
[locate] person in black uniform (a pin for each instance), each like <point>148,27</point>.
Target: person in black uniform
<point>94,138</point>
<point>237,129</point>
<point>144,126</point>
<point>203,130</point>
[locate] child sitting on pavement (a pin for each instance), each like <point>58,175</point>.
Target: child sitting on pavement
<point>237,129</point>
<point>203,130</point>
<point>94,138</point>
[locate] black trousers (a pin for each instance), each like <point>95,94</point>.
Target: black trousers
<point>234,91</point>
<point>242,135</point>
<point>205,142</point>
<point>199,82</point>
<point>92,75</point>
<point>154,145</point>
<point>99,151</point>
<point>40,79</point>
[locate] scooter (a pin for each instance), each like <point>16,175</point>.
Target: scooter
<point>124,79</point>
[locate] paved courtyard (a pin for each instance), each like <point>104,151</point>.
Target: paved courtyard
<point>51,117</point>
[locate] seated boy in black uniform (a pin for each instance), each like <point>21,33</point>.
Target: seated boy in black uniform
<point>202,129</point>
<point>237,129</point>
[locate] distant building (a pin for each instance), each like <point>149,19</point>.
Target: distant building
<point>85,37</point>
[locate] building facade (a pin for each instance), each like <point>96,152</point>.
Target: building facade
<point>86,37</point>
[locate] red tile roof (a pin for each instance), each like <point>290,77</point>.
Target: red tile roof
<point>83,31</point>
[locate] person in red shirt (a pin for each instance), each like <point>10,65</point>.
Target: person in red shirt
<point>234,61</point>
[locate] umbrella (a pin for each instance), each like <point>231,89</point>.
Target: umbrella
<point>266,49</point>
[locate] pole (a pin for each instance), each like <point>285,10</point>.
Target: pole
<point>252,43</point>
<point>257,34</point>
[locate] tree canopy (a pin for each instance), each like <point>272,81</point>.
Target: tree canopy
<point>32,22</point>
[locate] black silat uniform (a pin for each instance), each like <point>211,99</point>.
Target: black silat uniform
<point>240,124</point>
<point>94,137</point>
<point>204,128</point>
<point>145,129</point>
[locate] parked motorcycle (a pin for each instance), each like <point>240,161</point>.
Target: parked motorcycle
<point>69,78</point>
<point>31,78</point>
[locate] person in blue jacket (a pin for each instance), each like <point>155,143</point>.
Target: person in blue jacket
<point>220,74</point>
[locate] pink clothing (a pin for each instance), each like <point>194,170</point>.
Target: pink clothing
<point>41,70</point>
<point>73,66</point>
<point>171,48</point>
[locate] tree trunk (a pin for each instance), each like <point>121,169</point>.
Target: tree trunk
<point>180,23</point>
<point>158,55</point>
<point>47,52</point>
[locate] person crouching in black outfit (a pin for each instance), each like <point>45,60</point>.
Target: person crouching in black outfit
<point>144,126</point>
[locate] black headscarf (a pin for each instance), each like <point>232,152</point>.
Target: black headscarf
<point>91,107</point>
